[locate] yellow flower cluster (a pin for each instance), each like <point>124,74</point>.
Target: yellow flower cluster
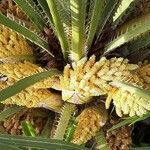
<point>31,97</point>
<point>89,78</point>
<point>20,70</point>
<point>127,103</point>
<point>144,73</point>
<point>12,44</point>
<point>89,122</point>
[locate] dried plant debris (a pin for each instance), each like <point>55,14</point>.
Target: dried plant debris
<point>118,139</point>
<point>8,7</point>
<point>37,117</point>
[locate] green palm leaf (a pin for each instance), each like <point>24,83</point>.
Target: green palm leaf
<point>8,147</point>
<point>31,13</point>
<point>96,13</point>
<point>78,11</point>
<point>39,143</point>
<point>45,8</point>
<point>59,30</point>
<point>107,12</point>
<point>64,118</point>
<point>122,10</point>
<point>130,31</point>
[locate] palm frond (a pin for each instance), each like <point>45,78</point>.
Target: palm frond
<point>64,118</point>
<point>38,143</point>
<point>130,31</point>
<point>59,30</point>
<point>129,121</point>
<point>97,10</point>
<point>46,10</point>
<point>138,44</point>
<point>6,147</point>
<point>78,13</point>
<point>123,9</point>
<point>107,12</point>
<point>31,13</point>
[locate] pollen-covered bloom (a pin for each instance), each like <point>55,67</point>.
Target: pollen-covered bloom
<point>31,97</point>
<point>144,73</point>
<point>127,102</point>
<point>17,71</point>
<point>87,78</point>
<point>12,44</point>
<point>89,122</point>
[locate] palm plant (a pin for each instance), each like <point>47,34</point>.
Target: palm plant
<point>70,31</point>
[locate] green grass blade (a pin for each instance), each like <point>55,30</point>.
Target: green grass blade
<point>38,142</point>
<point>96,16</point>
<point>8,147</point>
<point>26,82</point>
<point>9,112</point>
<point>24,32</point>
<point>58,27</point>
<point>63,121</point>
<point>129,32</point>
<point>28,129</point>
<point>31,13</point>
<point>78,12</point>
